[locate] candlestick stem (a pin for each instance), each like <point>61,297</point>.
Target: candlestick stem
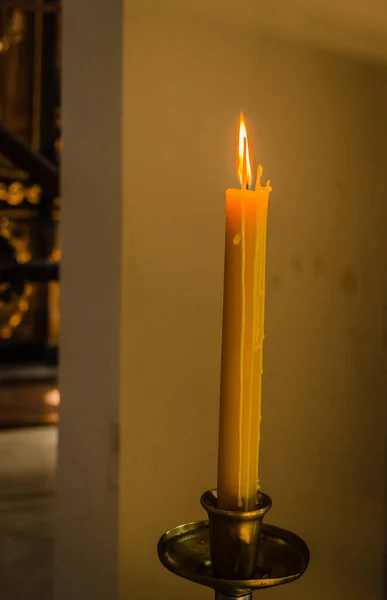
<point>222,597</point>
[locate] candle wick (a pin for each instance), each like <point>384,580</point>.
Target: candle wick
<point>244,165</point>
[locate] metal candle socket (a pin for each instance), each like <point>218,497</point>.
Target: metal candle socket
<point>234,553</point>
<point>234,537</point>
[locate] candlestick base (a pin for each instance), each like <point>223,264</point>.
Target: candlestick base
<point>185,550</point>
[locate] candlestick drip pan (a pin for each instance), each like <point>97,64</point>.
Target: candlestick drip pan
<point>185,550</point>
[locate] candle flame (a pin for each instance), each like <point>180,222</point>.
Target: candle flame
<point>243,151</point>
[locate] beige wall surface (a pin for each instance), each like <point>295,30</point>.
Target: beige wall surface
<point>318,125</point>
<point>160,113</point>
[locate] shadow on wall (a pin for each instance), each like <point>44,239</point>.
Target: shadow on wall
<point>346,27</point>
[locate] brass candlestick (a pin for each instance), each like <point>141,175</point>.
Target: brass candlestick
<point>232,552</point>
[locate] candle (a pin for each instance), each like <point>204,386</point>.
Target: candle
<point>243,321</point>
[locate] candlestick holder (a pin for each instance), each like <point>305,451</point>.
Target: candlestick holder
<point>233,552</point>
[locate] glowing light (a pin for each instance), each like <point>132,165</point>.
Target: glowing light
<point>52,398</point>
<point>242,143</point>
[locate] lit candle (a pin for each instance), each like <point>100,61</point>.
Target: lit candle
<point>243,320</point>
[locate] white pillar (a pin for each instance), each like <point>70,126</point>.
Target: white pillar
<point>86,543</point>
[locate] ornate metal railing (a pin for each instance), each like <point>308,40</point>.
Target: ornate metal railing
<point>29,176</point>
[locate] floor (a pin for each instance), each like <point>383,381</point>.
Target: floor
<point>27,507</point>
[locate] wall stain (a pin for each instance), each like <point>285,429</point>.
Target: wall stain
<point>338,185</point>
<point>296,264</point>
<point>348,281</point>
<point>276,280</point>
<point>318,266</point>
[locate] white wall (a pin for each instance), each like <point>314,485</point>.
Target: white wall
<point>318,125</point>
